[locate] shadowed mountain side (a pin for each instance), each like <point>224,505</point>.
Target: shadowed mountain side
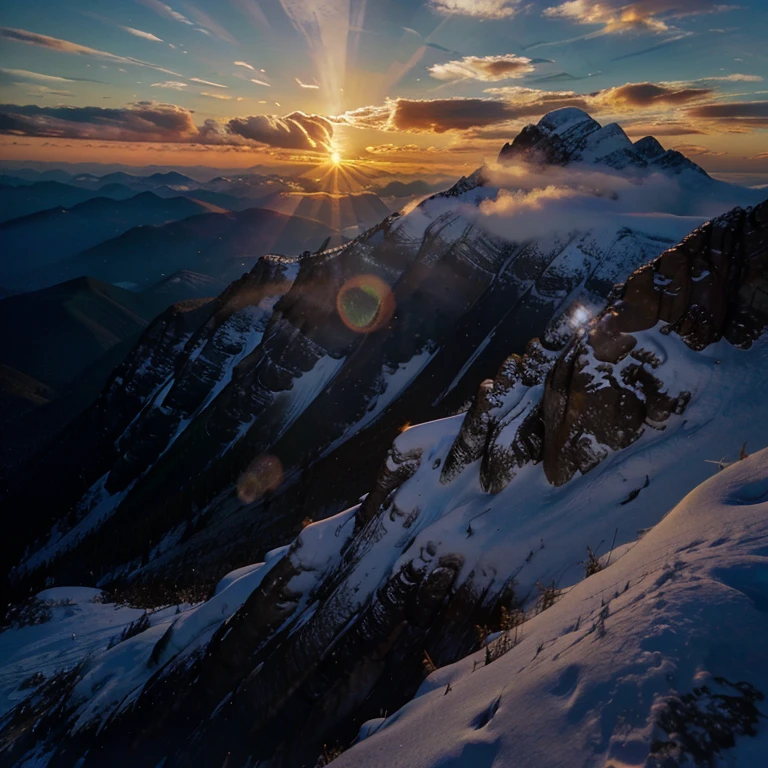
<point>55,333</point>
<point>222,245</point>
<point>16,201</point>
<point>50,236</point>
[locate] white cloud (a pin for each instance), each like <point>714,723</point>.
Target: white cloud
<point>486,9</point>
<point>485,68</point>
<point>25,74</point>
<point>174,85</point>
<point>619,16</point>
<point>140,33</point>
<point>206,82</point>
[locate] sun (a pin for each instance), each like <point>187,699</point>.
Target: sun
<point>335,158</point>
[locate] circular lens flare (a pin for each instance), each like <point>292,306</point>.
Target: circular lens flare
<point>264,474</point>
<point>365,303</point>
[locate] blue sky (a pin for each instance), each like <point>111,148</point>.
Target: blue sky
<point>428,82</point>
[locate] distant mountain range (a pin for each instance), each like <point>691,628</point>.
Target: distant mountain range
<point>16,201</point>
<point>39,239</point>
<point>222,245</point>
<point>48,224</point>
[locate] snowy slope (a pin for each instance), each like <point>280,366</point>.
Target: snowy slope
<point>642,661</point>
<point>470,513</point>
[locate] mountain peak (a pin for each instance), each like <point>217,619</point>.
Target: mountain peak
<point>570,135</point>
<point>649,147</point>
<point>561,120</point>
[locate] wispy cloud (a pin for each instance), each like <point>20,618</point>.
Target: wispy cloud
<point>302,84</point>
<point>142,34</point>
<point>260,82</point>
<point>27,76</point>
<point>65,46</point>
<point>39,91</point>
<point>244,64</point>
<point>697,150</point>
<point>485,68</point>
<point>735,78</point>
<point>165,10</point>
<point>141,122</point>
<point>206,82</point>
<point>394,149</point>
<point>208,23</point>
<point>220,96</point>
<point>173,85</point>
<point>663,128</point>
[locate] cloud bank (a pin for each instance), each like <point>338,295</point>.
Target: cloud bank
<point>509,103</point>
<point>151,122</point>
<point>528,205</point>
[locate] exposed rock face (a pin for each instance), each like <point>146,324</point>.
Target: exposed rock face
<point>608,385</point>
<point>505,405</point>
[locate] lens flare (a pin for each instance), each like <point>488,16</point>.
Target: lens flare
<point>335,158</point>
<point>365,303</point>
<point>264,474</point>
<point>579,316</point>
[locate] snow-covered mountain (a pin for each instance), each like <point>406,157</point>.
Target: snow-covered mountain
<point>560,452</point>
<point>570,135</point>
<point>319,360</point>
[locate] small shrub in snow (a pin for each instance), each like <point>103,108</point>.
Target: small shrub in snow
<point>510,622</point>
<point>134,628</point>
<point>548,595</point>
<point>329,755</point>
<point>699,725</point>
<point>591,565</point>
<point>32,681</point>
<point>34,611</point>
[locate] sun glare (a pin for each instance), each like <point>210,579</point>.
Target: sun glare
<point>335,158</point>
